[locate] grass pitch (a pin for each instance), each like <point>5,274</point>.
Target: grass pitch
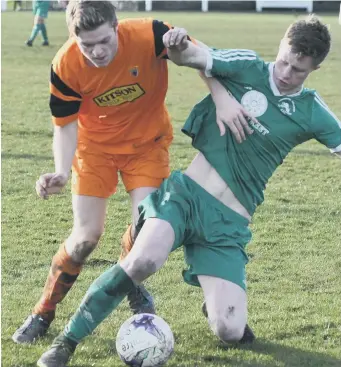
<point>294,271</point>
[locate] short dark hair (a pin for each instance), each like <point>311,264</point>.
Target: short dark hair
<point>86,15</point>
<point>309,37</point>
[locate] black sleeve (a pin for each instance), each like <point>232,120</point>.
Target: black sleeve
<point>59,107</point>
<point>159,29</point>
<point>61,86</point>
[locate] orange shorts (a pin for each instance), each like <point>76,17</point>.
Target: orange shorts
<point>95,173</point>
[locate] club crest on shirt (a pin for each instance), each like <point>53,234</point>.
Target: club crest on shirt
<point>286,106</point>
<point>255,103</point>
<point>134,71</point>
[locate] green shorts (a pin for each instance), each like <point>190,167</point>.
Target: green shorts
<point>41,8</point>
<point>214,236</point>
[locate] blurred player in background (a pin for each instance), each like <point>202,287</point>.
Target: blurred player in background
<point>40,11</point>
<point>17,4</point>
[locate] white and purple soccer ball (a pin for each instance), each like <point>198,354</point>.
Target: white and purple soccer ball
<point>145,340</point>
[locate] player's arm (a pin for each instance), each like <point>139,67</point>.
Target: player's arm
<point>64,105</point>
<point>64,147</point>
<point>327,127</point>
<point>224,63</point>
<point>65,102</point>
<point>159,30</point>
<point>229,111</point>
<point>183,52</point>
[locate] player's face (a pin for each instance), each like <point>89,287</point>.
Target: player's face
<point>98,46</point>
<point>290,70</point>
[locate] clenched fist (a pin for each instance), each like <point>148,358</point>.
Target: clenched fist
<point>176,38</point>
<point>50,183</point>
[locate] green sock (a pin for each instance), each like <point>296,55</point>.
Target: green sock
<point>44,32</point>
<point>35,31</point>
<point>103,296</point>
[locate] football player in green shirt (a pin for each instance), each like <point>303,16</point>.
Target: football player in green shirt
<point>207,208</point>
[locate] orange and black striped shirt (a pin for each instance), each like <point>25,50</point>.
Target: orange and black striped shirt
<point>120,107</point>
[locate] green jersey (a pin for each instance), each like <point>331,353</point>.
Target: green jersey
<point>284,122</point>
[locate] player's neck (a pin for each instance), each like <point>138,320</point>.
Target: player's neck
<point>291,91</point>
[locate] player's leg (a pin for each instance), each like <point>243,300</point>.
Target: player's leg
<point>136,196</point>
<point>43,12</point>
<point>35,30</point>
<point>93,181</point>
<point>226,305</point>
<point>216,257</point>
<point>139,299</point>
<point>142,174</point>
<point>150,251</point>
<point>248,336</point>
<point>161,228</point>
<point>44,33</point>
<point>89,216</point>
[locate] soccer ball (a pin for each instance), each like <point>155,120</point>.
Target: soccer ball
<point>145,340</point>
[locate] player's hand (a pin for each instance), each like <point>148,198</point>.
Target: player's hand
<point>176,38</point>
<point>50,183</point>
<point>232,114</point>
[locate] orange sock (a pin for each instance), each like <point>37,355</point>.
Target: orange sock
<point>63,273</point>
<point>126,243</point>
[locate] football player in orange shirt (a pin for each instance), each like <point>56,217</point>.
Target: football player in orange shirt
<point>108,86</point>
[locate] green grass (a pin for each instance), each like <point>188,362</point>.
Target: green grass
<point>294,273</point>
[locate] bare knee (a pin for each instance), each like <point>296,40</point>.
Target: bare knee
<point>227,326</point>
<point>82,242</point>
<point>226,304</point>
<point>141,267</point>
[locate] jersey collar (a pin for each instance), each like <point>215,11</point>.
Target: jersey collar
<point>273,85</point>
